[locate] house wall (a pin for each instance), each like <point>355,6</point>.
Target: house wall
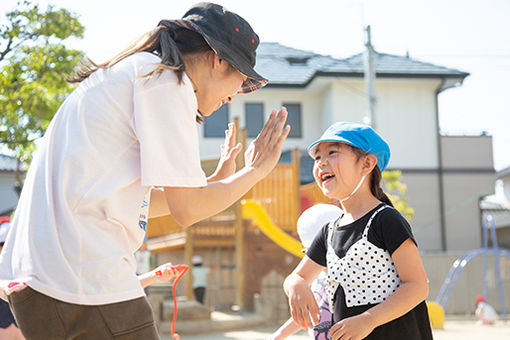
<point>422,193</point>
<point>467,152</point>
<point>506,187</point>
<point>462,192</point>
<point>468,175</point>
<point>405,116</point>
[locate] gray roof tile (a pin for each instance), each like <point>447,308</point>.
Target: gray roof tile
<point>284,65</point>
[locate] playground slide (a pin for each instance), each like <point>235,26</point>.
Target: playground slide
<point>254,211</point>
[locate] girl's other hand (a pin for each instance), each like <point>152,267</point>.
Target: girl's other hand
<point>354,328</point>
<point>303,305</point>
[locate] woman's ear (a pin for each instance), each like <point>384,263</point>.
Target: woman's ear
<point>214,60</point>
<point>369,163</point>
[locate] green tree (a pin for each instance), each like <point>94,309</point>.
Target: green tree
<point>396,192</point>
<point>34,66</point>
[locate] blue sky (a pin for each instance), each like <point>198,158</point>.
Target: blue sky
<point>469,35</point>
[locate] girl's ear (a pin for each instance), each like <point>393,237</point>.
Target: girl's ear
<point>369,163</point>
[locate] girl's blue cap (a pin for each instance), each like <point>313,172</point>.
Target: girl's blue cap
<point>360,136</point>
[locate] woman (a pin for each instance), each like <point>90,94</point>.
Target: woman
<point>129,127</point>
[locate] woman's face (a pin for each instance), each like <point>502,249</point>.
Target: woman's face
<point>337,169</point>
<point>217,86</point>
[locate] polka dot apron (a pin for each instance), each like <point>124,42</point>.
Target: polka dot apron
<point>366,273</point>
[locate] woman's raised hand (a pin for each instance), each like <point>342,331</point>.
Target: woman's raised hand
<point>264,151</point>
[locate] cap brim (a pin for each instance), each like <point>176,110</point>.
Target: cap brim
<point>338,140</point>
<point>254,82</point>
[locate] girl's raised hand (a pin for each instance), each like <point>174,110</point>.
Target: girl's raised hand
<point>354,328</point>
<point>264,151</point>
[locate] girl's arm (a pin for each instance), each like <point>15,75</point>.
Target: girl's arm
<point>286,330</point>
<point>413,290</point>
<point>301,300</point>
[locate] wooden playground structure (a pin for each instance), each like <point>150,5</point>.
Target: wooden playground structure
<point>254,254</point>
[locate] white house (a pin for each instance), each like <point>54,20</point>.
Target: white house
<point>498,206</point>
<point>8,194</point>
<point>445,175</point>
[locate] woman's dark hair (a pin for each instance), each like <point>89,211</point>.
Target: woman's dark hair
<point>169,41</point>
<point>375,179</point>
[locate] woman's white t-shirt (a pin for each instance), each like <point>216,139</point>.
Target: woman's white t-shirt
<point>83,210</point>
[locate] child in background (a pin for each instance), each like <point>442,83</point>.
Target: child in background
<point>308,225</point>
<point>200,274</point>
<point>376,281</point>
<point>8,328</point>
<point>485,313</point>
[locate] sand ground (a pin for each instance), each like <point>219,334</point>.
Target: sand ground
<point>453,330</point>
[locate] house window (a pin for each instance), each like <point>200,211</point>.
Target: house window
<point>254,115</point>
<point>294,119</point>
<point>216,124</point>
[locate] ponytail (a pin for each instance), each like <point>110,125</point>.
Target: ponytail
<point>375,179</point>
<point>375,186</point>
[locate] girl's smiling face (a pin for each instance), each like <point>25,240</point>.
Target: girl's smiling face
<point>337,169</point>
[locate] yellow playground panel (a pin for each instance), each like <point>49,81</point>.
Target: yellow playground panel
<point>436,314</point>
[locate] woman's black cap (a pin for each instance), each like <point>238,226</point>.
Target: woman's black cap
<point>230,36</point>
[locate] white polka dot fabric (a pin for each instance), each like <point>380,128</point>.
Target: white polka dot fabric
<point>366,273</point>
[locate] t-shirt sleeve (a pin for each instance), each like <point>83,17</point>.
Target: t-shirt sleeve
<point>318,248</point>
<point>164,120</point>
<point>391,229</point>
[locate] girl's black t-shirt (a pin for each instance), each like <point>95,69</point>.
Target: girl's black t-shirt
<point>388,231</point>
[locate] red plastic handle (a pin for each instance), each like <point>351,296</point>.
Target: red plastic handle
<point>181,269</point>
<point>176,269</point>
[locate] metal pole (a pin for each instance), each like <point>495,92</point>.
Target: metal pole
<point>370,73</point>
<point>485,255</point>
<point>495,249</point>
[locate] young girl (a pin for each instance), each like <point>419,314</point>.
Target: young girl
<point>376,281</point>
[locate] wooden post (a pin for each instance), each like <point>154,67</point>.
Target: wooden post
<point>240,138</point>
<point>240,256</point>
<point>240,259</point>
<point>297,182</point>
<point>188,255</point>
